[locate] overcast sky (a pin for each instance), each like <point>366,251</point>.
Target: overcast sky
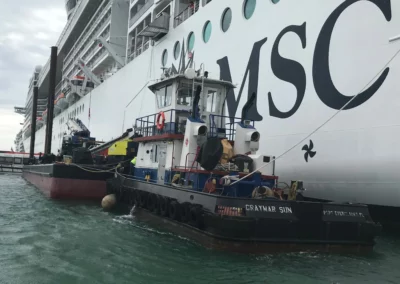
<point>28,28</point>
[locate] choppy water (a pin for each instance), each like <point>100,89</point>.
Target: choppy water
<point>43,241</point>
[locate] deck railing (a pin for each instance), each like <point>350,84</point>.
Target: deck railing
<point>147,125</point>
<point>4,169</point>
<point>218,126</point>
<point>186,14</point>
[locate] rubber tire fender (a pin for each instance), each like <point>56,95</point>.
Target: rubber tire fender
<point>163,206</point>
<point>174,210</point>
<point>196,216</point>
<point>150,202</point>
<point>185,212</point>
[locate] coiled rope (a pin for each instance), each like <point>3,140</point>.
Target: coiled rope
<point>323,124</point>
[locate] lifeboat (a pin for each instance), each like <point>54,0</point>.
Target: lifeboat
<point>72,97</point>
<point>77,89</point>
<point>61,101</point>
<point>44,115</point>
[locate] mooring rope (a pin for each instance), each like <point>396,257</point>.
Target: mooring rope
<point>322,125</point>
<point>91,170</point>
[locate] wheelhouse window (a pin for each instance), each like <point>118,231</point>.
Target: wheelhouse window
<point>164,96</point>
<point>212,101</point>
<point>184,97</point>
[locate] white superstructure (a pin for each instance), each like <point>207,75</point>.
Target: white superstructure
<point>305,59</point>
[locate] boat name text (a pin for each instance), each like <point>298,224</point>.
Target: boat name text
<point>270,209</point>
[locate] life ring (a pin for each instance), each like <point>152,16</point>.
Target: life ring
<point>160,125</point>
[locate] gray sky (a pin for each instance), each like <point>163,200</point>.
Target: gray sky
<point>28,28</point>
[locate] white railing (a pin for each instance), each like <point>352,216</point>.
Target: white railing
<point>86,57</point>
<point>105,31</point>
<point>186,14</point>
<point>81,43</point>
<point>87,30</point>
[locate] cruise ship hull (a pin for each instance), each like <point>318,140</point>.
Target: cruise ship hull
<point>305,60</point>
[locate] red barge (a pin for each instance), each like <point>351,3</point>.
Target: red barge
<point>62,181</point>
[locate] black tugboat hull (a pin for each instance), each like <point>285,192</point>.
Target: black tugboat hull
<point>216,242</point>
<point>254,223</point>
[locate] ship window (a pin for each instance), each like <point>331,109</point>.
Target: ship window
<point>249,8</point>
<point>275,1</point>
<point>184,97</point>
<point>177,49</point>
<point>226,19</point>
<point>164,57</point>
<point>212,101</point>
<point>207,31</point>
<point>190,42</point>
<point>164,96</point>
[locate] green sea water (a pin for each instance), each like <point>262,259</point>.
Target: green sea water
<point>46,241</point>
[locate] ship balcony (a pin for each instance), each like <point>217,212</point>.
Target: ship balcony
<point>157,28</point>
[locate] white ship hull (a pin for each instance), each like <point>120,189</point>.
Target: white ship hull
<point>357,152</point>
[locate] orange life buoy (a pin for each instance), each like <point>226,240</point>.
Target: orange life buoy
<point>160,125</point>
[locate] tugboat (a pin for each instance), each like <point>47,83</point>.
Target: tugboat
<point>200,170</point>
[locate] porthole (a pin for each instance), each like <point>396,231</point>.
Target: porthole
<point>164,57</point>
<point>226,19</point>
<point>249,8</point>
<point>190,41</point>
<point>177,49</point>
<point>207,31</point>
<point>275,1</point>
